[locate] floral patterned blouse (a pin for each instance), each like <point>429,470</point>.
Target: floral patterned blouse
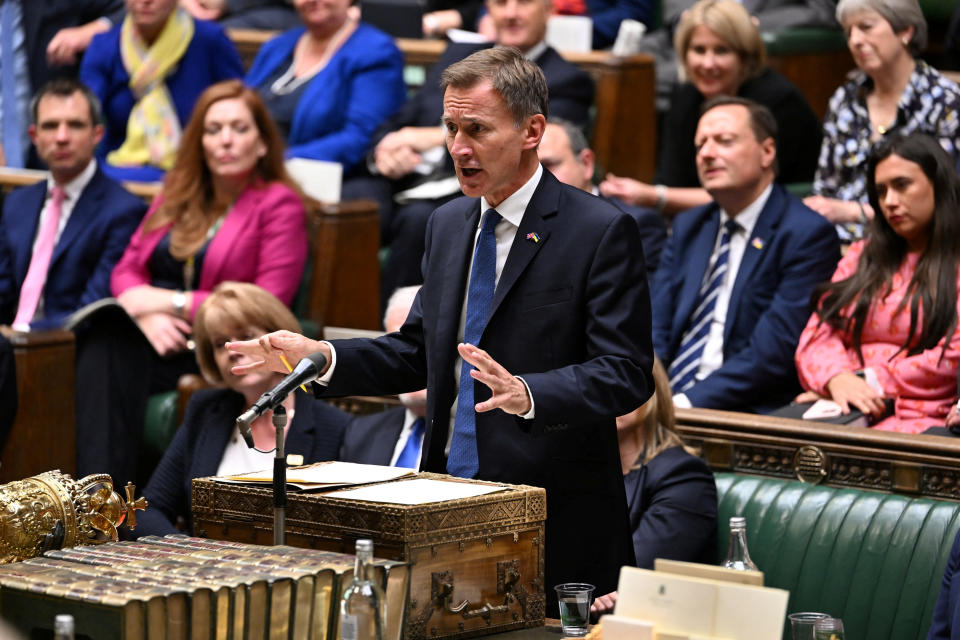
<point>923,386</point>
<point>930,104</point>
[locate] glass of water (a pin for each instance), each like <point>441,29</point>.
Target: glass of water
<point>575,599</point>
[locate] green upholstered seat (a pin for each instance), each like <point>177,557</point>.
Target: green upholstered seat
<point>803,40</point>
<point>873,559</point>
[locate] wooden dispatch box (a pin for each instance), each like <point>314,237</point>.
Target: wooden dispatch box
<point>477,563</point>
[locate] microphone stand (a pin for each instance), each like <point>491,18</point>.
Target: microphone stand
<point>279,479</point>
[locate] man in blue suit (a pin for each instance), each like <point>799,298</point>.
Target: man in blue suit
<point>393,437</point>
<point>564,152</point>
<point>557,296</point>
<point>733,289</point>
<point>96,216</point>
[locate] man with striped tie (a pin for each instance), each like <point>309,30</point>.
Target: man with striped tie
<point>733,289</point>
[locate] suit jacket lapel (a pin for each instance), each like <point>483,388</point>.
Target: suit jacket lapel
<point>81,218</point>
<point>26,229</point>
<point>760,237</point>
<point>701,249</point>
<point>542,205</point>
<point>455,284</point>
<point>303,425</point>
<point>212,441</point>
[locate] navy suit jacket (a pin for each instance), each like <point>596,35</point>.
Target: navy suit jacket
<point>314,432</point>
<point>945,623</point>
<point>653,232</point>
<point>96,234</point>
<point>791,250</point>
<point>673,509</point>
<point>571,316</point>
<point>371,439</point>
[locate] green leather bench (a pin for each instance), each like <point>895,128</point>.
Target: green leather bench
<point>873,559</point>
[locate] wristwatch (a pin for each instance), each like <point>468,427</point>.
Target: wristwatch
<point>179,302</point>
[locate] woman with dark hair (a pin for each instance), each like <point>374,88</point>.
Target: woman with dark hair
<point>891,92</point>
<point>209,443</point>
<point>671,493</point>
<point>148,72</point>
<point>886,325</point>
<point>228,211</point>
<point>330,83</point>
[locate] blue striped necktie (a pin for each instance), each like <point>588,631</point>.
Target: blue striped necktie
<point>684,367</point>
<point>462,461</point>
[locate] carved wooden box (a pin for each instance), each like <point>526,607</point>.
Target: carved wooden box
<point>477,563</point>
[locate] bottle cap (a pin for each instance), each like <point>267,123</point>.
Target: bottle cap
<point>738,522</point>
<point>63,622</point>
<point>364,545</point>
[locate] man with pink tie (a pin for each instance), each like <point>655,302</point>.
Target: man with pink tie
<point>60,238</point>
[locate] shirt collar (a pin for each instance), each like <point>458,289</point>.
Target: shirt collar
<point>748,217</point>
<point>513,206</point>
<point>535,51</point>
<point>75,187</point>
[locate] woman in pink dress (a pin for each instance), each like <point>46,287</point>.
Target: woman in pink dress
<point>885,330</point>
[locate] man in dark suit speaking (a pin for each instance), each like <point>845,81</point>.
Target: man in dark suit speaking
<point>525,276</point>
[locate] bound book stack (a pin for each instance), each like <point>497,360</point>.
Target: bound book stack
<point>180,588</point>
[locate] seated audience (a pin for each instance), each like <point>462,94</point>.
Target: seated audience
<point>47,39</point>
<point>671,493</point>
<point>410,151</point>
<point>722,54</point>
<point>209,442</point>
<point>892,92</point>
<point>442,15</point>
<point>735,280</point>
<point>771,16</point>
<point>607,15</point>
<point>61,237</point>
<point>329,84</point>
<point>148,72</point>
<point>228,211</point>
<point>274,15</point>
<point>889,315</point>
<point>564,152</point>
<point>393,437</point>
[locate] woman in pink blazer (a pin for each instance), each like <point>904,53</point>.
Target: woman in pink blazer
<point>228,211</point>
<point>884,338</point>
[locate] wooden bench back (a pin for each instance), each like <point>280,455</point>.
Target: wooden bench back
<point>624,125</point>
<point>835,455</point>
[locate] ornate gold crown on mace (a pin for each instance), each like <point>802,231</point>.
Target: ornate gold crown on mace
<point>53,511</point>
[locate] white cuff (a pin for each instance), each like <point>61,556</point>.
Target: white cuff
<point>325,378</point>
<point>681,401</point>
<point>529,415</point>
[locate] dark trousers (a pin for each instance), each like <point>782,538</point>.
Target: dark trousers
<point>117,371</point>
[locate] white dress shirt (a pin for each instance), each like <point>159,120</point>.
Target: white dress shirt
<point>712,357</point>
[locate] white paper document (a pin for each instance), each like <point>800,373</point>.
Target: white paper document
<point>416,491</point>
<point>331,474</point>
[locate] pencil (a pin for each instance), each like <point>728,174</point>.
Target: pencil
<point>286,363</point>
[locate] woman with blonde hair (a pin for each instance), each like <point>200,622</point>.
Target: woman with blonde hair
<point>148,72</point>
<point>228,211</point>
<point>208,443</point>
<point>721,52</point>
<point>671,493</point>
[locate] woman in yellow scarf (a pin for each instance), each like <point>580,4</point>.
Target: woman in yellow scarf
<point>147,72</point>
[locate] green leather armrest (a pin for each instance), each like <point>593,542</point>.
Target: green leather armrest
<point>803,40</point>
<point>871,558</point>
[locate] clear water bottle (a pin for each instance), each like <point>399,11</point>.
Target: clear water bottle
<point>361,609</point>
<point>738,557</point>
<point>63,627</point>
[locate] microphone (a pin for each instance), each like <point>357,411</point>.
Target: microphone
<point>307,370</point>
